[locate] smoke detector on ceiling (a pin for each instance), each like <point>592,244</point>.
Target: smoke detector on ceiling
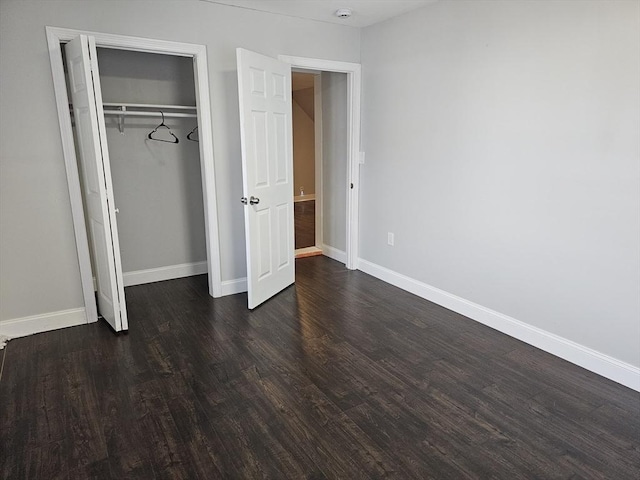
<point>343,13</point>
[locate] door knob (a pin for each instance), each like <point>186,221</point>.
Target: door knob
<point>243,200</point>
<point>254,200</point>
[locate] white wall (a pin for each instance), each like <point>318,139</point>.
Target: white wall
<point>335,152</point>
<point>157,186</point>
<point>39,270</point>
<point>502,142</point>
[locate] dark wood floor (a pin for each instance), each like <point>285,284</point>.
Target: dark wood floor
<point>305,223</point>
<point>341,376</point>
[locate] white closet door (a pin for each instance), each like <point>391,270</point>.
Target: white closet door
<point>264,86</point>
<point>86,96</point>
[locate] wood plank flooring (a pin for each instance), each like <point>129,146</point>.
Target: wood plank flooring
<point>340,376</point>
<point>304,219</point>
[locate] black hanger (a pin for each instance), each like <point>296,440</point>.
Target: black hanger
<point>150,136</point>
<point>191,133</point>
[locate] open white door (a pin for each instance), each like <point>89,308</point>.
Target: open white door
<point>86,97</point>
<point>264,87</point>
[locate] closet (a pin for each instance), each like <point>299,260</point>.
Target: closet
<point>150,115</point>
<point>157,184</point>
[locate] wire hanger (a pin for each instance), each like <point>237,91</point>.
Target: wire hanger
<point>191,133</point>
<point>150,136</point>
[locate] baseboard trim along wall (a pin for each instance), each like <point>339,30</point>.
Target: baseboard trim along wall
<point>331,252</point>
<point>231,287</point>
<point>21,327</point>
<point>239,285</point>
<point>159,274</point>
<point>590,359</point>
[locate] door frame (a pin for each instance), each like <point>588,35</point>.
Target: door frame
<point>55,37</point>
<point>354,89</point>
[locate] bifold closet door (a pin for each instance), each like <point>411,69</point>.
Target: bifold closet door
<point>264,86</point>
<point>82,67</point>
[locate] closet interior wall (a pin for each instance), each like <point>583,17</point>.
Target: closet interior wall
<point>157,185</point>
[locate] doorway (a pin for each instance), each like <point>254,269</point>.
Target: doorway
<point>56,38</point>
<point>307,162</point>
<point>154,164</point>
<point>350,75</point>
<point>264,87</point>
<point>320,153</point>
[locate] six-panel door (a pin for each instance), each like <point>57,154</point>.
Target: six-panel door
<point>267,164</point>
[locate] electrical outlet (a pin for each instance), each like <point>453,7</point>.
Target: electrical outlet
<point>390,238</point>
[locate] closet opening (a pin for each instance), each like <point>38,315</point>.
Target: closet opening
<point>135,123</point>
<point>151,124</point>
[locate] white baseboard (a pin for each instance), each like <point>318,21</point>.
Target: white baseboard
<point>239,285</point>
<point>304,198</point>
<point>21,327</point>
<point>592,360</point>
<point>231,287</point>
<point>170,272</point>
<point>331,252</point>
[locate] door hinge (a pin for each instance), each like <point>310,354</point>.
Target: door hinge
<point>352,186</point>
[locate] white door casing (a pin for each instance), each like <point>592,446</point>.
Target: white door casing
<point>86,98</point>
<point>354,88</point>
<point>264,87</point>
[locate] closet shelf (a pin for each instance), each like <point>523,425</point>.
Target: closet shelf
<point>147,105</point>
<point>147,110</point>
<point>150,114</point>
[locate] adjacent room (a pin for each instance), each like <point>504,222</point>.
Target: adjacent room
<point>320,239</point>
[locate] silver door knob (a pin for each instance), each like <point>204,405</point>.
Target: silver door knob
<point>243,200</point>
<point>254,200</point>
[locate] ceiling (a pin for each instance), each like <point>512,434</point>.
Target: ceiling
<point>365,12</point>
